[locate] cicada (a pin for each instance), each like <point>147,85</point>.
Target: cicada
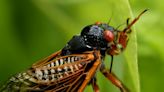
<point>74,67</point>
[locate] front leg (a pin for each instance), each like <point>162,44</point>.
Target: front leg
<point>127,23</point>
<point>113,78</point>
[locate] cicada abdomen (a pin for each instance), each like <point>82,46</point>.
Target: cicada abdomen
<point>54,74</point>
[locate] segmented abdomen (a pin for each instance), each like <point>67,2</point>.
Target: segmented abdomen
<point>60,74</point>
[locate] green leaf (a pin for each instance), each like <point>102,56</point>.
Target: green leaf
<point>131,58</point>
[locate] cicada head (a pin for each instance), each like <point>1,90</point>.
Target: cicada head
<point>100,36</point>
<point>106,38</point>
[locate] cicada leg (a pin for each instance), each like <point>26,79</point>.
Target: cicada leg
<point>127,23</point>
<point>113,78</point>
<point>94,85</point>
<point>92,71</point>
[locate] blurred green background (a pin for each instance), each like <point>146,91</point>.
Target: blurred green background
<point>33,29</point>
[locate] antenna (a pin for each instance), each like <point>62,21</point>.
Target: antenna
<point>110,18</point>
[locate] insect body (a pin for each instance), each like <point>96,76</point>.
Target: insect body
<point>73,67</point>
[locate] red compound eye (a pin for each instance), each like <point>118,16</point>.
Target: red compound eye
<point>108,35</point>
